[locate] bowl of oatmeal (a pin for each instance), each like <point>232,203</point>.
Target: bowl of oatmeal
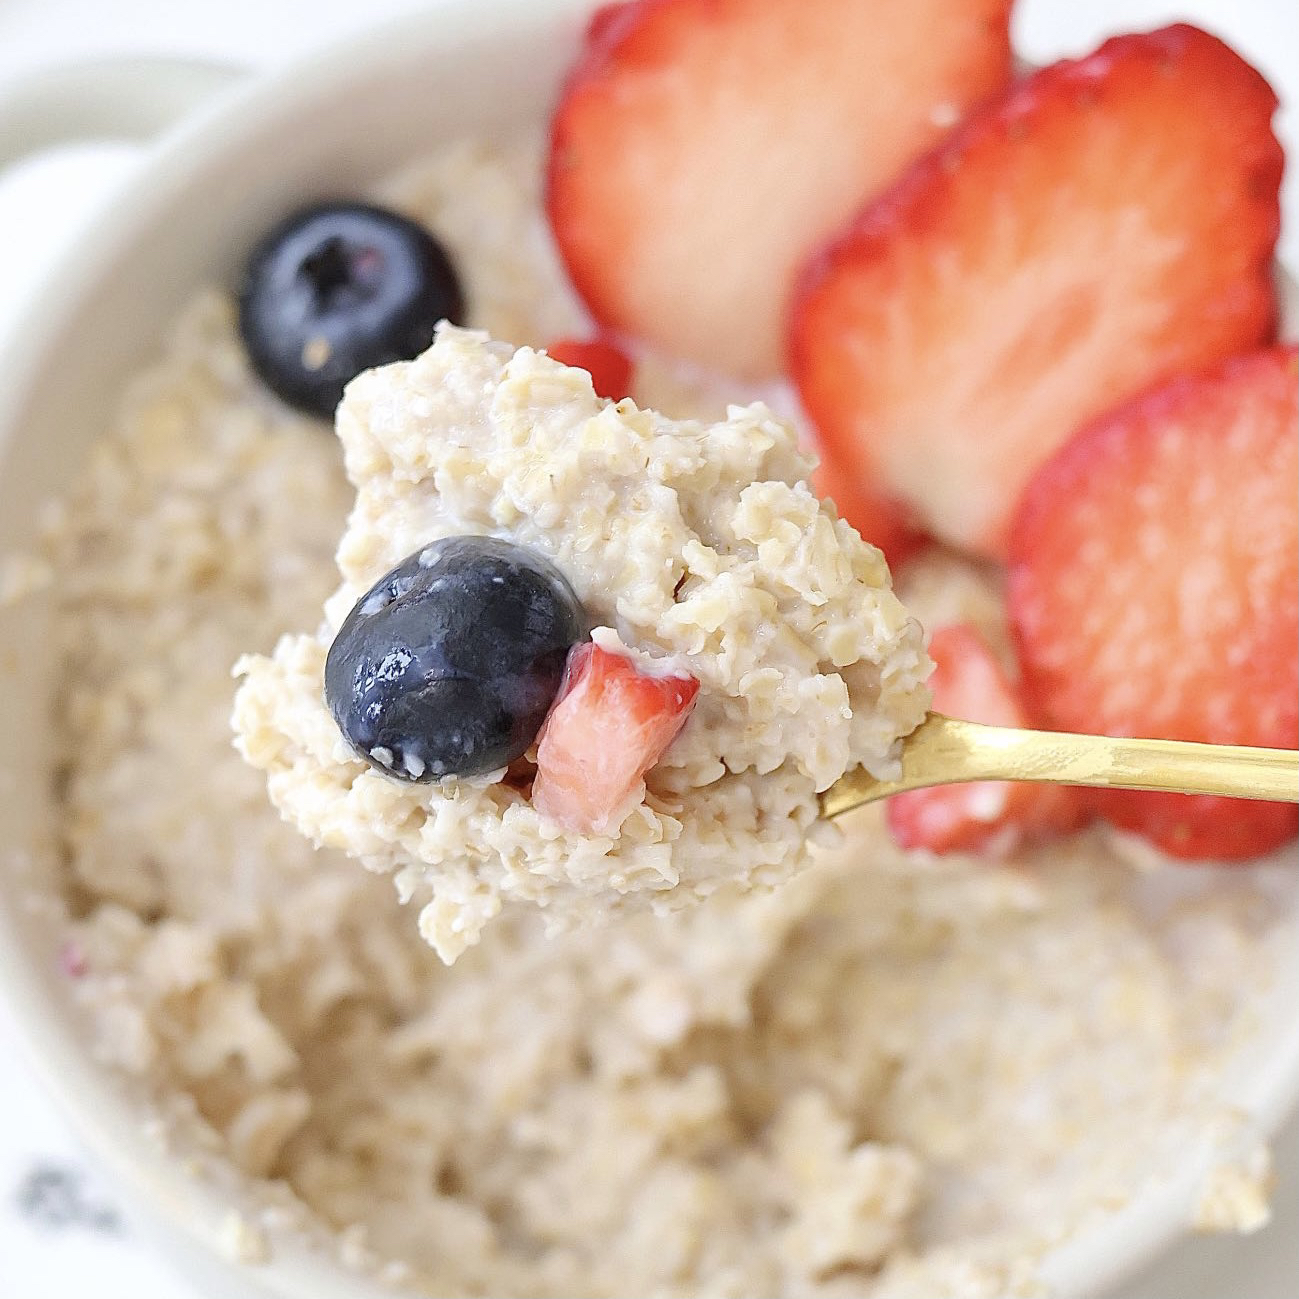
<point>893,1075</point>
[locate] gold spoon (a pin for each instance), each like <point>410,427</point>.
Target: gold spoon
<point>946,751</point>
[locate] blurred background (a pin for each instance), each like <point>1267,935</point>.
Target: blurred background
<point>61,1234</point>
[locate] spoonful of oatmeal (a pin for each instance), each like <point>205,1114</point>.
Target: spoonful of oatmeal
<point>591,658</point>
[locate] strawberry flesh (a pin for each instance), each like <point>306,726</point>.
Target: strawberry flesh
<point>702,148</point>
<point>609,366</point>
<point>1106,223</point>
<point>609,724</point>
<point>1154,587</point>
<point>986,816</point>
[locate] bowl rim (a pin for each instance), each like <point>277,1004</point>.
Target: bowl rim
<point>187,1217</point>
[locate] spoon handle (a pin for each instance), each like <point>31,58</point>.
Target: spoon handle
<point>944,751</point>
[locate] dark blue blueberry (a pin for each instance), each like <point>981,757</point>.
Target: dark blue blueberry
<point>338,288</point>
<point>448,664</point>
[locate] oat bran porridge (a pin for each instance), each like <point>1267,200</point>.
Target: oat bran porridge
<point>860,1083</point>
<point>692,545</point>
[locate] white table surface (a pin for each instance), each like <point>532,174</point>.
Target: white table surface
<point>61,1234</point>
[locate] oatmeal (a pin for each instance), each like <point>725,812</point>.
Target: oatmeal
<point>861,1083</point>
<point>691,544</point>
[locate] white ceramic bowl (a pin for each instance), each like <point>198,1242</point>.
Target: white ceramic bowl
<point>329,126</point>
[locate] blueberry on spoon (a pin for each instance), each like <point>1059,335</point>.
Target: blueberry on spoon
<point>448,665</point>
<point>336,289</point>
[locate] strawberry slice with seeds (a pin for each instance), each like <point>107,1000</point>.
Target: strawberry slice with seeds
<point>609,724</point>
<point>1105,224</point>
<point>702,148</point>
<point>1154,587</point>
<point>608,365</point>
<point>985,816</point>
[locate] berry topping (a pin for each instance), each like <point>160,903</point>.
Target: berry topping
<point>1154,587</point>
<point>702,148</point>
<point>987,816</point>
<point>610,367</point>
<point>610,724</point>
<point>1103,225</point>
<point>447,665</point>
<point>339,288</point>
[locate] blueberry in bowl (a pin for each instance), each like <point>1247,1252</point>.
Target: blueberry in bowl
<point>448,665</point>
<point>337,288</point>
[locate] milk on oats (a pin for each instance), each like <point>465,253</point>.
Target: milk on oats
<point>892,1076</point>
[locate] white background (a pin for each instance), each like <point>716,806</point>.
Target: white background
<point>60,1233</point>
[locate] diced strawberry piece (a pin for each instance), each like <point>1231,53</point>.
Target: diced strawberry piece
<point>1105,224</point>
<point>609,724</point>
<point>702,148</point>
<point>609,366</point>
<point>987,815</point>
<point>880,521</point>
<point>1154,587</point>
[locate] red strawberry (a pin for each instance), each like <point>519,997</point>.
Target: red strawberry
<point>609,724</point>
<point>987,815</point>
<point>609,366</point>
<point>1154,587</point>
<point>1107,223</point>
<point>702,148</point>
<point>882,522</point>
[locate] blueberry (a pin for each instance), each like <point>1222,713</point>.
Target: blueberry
<point>449,663</point>
<point>338,288</point>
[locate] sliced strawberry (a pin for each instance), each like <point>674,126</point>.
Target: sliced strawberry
<point>609,724</point>
<point>882,522</point>
<point>987,815</point>
<point>1107,223</point>
<point>609,366</point>
<point>702,148</point>
<point>1154,587</point>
